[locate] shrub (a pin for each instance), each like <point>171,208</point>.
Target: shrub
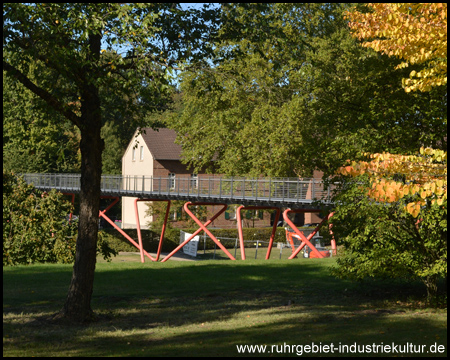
<point>35,228</point>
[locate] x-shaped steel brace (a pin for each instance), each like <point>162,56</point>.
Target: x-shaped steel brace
<point>305,240</point>
<point>102,214</point>
<point>141,248</point>
<point>241,235</point>
<point>202,227</point>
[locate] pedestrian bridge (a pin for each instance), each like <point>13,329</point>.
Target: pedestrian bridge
<point>297,195</point>
<point>294,193</point>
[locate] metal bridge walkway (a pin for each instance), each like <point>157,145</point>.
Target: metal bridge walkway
<point>292,193</point>
<point>297,195</point>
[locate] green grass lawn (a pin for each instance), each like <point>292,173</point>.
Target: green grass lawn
<point>207,308</point>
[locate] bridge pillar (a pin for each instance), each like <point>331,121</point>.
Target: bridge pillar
<point>202,227</point>
<point>138,226</point>
<point>305,240</point>
<point>241,234</point>
<point>102,214</point>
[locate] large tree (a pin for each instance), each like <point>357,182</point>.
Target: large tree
<point>399,221</point>
<point>82,48</point>
<point>293,91</point>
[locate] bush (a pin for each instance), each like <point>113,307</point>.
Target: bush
<point>35,228</point>
<point>384,241</point>
<point>150,240</point>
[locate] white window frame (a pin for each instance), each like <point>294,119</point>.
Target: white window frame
<point>141,154</point>
<point>172,177</point>
<point>194,181</point>
<point>133,154</point>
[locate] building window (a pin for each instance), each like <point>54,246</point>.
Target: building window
<point>133,154</point>
<point>142,153</point>
<point>194,181</point>
<point>171,180</point>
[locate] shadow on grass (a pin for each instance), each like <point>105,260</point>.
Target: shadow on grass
<point>207,308</point>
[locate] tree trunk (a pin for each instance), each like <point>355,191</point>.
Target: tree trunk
<point>78,303</point>
<point>431,282</point>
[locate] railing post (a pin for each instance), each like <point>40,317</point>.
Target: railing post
<point>313,191</point>
<point>231,192</point>
<point>270,187</point>
<point>209,186</point>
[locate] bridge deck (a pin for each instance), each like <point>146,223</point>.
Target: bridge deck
<point>282,192</point>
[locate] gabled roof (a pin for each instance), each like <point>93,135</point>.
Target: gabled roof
<point>161,144</point>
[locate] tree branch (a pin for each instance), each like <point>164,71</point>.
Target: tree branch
<point>43,94</point>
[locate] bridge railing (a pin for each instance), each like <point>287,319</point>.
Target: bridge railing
<point>203,186</point>
<point>54,181</point>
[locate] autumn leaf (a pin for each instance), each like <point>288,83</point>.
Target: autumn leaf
<point>425,177</point>
<point>414,32</point>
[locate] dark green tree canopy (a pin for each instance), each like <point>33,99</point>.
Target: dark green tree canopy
<point>99,44</point>
<point>291,91</point>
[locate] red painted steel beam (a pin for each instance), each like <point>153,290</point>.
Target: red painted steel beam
<point>116,200</point>
<point>290,236</point>
<point>202,227</point>
<point>300,234</point>
<point>241,234</point>
<point>102,214</point>
<point>73,203</point>
<point>333,241</point>
<point>161,239</point>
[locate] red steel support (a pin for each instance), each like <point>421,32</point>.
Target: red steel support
<point>141,248</point>
<point>202,227</point>
<point>241,235</point>
<point>73,203</point>
<point>289,237</point>
<point>300,234</point>
<point>333,241</point>
<point>102,214</point>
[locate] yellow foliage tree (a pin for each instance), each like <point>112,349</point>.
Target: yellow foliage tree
<point>424,177</point>
<point>415,32</point>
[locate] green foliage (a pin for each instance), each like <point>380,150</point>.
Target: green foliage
<point>36,226</point>
<point>291,91</point>
<point>382,240</point>
<point>157,209</point>
<point>150,240</point>
<point>35,138</point>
